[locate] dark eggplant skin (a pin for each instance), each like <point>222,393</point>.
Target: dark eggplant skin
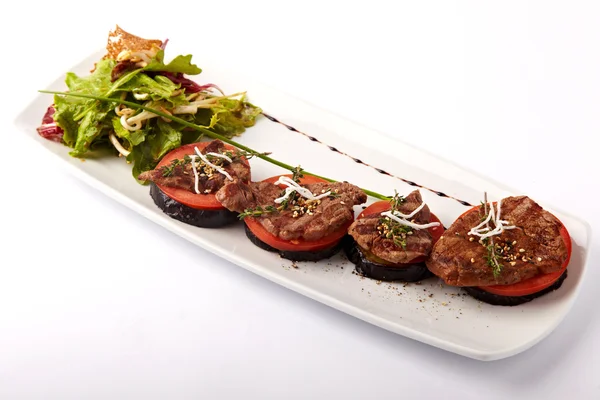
<point>295,255</point>
<point>189,215</point>
<point>364,266</point>
<point>510,301</point>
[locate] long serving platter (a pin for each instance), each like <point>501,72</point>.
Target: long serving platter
<point>428,311</point>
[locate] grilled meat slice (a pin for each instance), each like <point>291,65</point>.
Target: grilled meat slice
<point>320,219</point>
<point>534,247</point>
<point>209,180</point>
<point>418,243</point>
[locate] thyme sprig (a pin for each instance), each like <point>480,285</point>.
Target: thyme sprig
<point>198,128</point>
<point>396,200</point>
<point>390,229</point>
<point>168,170</point>
<point>259,211</point>
<point>297,174</point>
<point>491,257</point>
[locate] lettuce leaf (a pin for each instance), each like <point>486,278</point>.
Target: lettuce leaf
<point>88,123</point>
<point>234,116</point>
<point>133,138</point>
<point>157,88</point>
<point>182,64</point>
<point>97,83</point>
<point>82,120</point>
<point>162,139</point>
<point>92,125</point>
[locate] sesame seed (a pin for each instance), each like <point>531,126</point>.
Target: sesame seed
<point>539,258</point>
<point>513,263</point>
<point>341,202</point>
<point>521,250</point>
<point>472,260</point>
<point>515,242</point>
<point>471,239</point>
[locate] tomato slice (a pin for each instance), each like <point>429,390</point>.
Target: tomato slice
<point>537,283</point>
<point>436,232</point>
<point>191,199</point>
<point>300,244</point>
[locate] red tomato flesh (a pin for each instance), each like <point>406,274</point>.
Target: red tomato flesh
<point>297,244</point>
<point>191,199</point>
<point>436,232</point>
<point>537,283</point>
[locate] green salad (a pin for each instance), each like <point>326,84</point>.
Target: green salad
<point>135,70</point>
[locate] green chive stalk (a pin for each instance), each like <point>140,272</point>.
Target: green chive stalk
<point>205,131</point>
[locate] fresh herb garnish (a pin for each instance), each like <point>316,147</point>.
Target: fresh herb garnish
<point>390,229</point>
<point>396,201</point>
<point>258,211</point>
<point>491,257</point>
<point>168,170</point>
<point>297,174</point>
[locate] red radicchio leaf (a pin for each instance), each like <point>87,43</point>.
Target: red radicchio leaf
<point>187,84</point>
<point>49,130</point>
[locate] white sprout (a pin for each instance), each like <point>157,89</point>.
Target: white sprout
<point>293,186</point>
<point>392,215</point>
<point>412,214</point>
<point>113,139</point>
<point>120,111</point>
<point>216,167</point>
<point>185,109</point>
<point>140,96</point>
<point>137,125</point>
<point>193,96</point>
<point>195,174</point>
<point>483,230</point>
<point>402,218</point>
<point>219,155</point>
<point>193,107</point>
<point>136,56</point>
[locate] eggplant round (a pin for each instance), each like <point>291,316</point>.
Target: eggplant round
<point>381,272</point>
<point>499,300</point>
<point>295,255</point>
<point>189,215</point>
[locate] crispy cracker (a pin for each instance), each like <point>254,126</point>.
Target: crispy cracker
<point>119,40</point>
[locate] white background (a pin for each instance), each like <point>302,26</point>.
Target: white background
<point>96,302</point>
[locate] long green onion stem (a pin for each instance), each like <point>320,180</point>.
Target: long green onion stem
<point>204,131</point>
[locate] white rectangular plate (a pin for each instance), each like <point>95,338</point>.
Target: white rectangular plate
<point>428,312</point>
